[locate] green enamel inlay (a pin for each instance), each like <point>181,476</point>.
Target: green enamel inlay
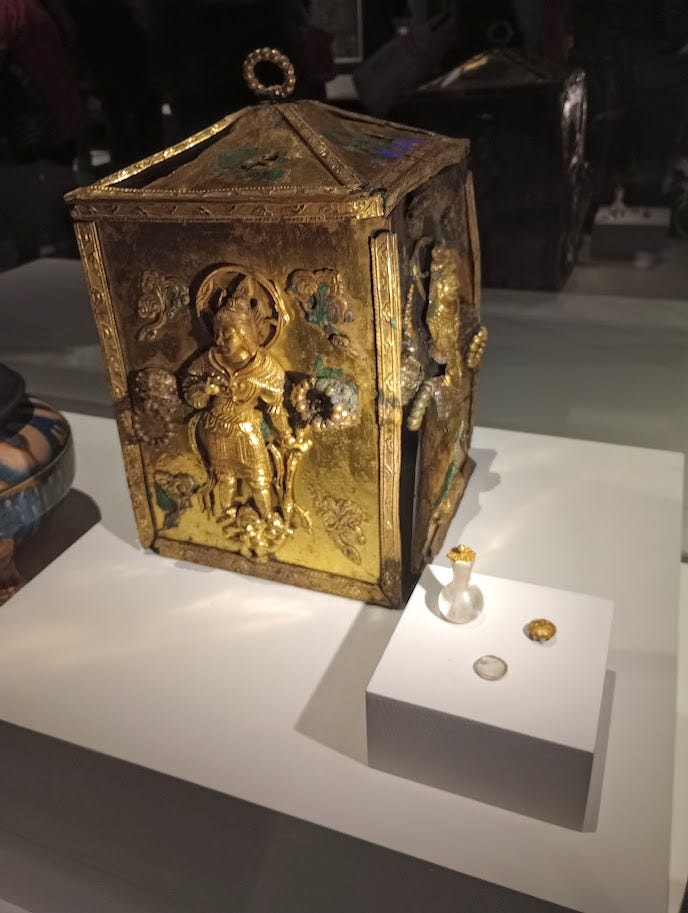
<point>163,500</point>
<point>257,164</point>
<point>449,477</point>
<point>322,371</point>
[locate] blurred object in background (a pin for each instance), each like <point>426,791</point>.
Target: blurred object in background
<point>638,103</point>
<point>678,192</point>
<point>206,41</point>
<point>525,118</point>
<point>343,19</point>
<point>41,123</point>
<point>41,112</point>
<point>311,54</point>
<point>390,75</point>
<point>33,219</point>
<point>116,49</point>
<point>482,26</point>
<point>360,27</point>
<point>623,232</point>
<point>542,27</point>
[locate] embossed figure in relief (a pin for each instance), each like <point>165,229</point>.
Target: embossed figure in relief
<point>412,373</point>
<point>442,321</point>
<point>251,433</point>
<point>239,386</point>
<point>455,353</point>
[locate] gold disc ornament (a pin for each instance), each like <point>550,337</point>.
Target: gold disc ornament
<point>540,630</point>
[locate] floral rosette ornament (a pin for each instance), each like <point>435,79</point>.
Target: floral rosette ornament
<point>327,400</point>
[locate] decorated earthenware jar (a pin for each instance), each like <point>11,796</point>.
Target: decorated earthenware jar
<point>36,459</point>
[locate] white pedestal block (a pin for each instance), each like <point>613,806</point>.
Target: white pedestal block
<point>525,742</point>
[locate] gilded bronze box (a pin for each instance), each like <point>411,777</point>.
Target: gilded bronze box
<point>288,308</point>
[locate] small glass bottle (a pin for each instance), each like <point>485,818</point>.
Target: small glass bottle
<point>460,601</point>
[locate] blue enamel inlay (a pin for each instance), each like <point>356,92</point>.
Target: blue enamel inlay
<point>398,148</point>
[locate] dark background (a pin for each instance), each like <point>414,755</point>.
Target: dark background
<point>83,83</point>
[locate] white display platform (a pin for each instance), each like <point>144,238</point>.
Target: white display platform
<point>257,690</point>
<point>525,742</point>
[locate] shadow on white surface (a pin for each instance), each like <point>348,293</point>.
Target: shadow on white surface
<point>433,588</point>
<point>335,715</point>
<point>66,524</point>
<point>592,811</point>
<point>482,480</point>
<point>104,836</point>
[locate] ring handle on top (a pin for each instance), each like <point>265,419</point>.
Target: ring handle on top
<point>270,55</point>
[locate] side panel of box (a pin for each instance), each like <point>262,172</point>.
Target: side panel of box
<point>441,333</point>
<point>268,463</point>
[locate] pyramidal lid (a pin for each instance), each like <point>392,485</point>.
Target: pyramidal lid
<point>286,151</point>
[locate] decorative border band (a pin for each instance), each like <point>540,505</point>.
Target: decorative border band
<point>273,570</point>
<point>387,295</point>
<point>92,259</point>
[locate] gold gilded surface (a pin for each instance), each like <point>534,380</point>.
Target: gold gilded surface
<point>92,260</point>
<point>541,630</point>
<point>162,297</point>
<point>461,553</point>
<point>476,348</point>
<point>312,402</point>
<point>412,372</point>
<point>119,177</point>
<point>132,210</point>
<point>269,55</point>
<point>278,299</point>
<point>343,520</point>
<point>257,162</point>
<point>235,388</point>
<point>474,242</point>
<point>283,573</point>
<point>442,321</point>
<point>385,260</point>
<point>101,301</point>
<point>318,144</point>
<point>439,320</point>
